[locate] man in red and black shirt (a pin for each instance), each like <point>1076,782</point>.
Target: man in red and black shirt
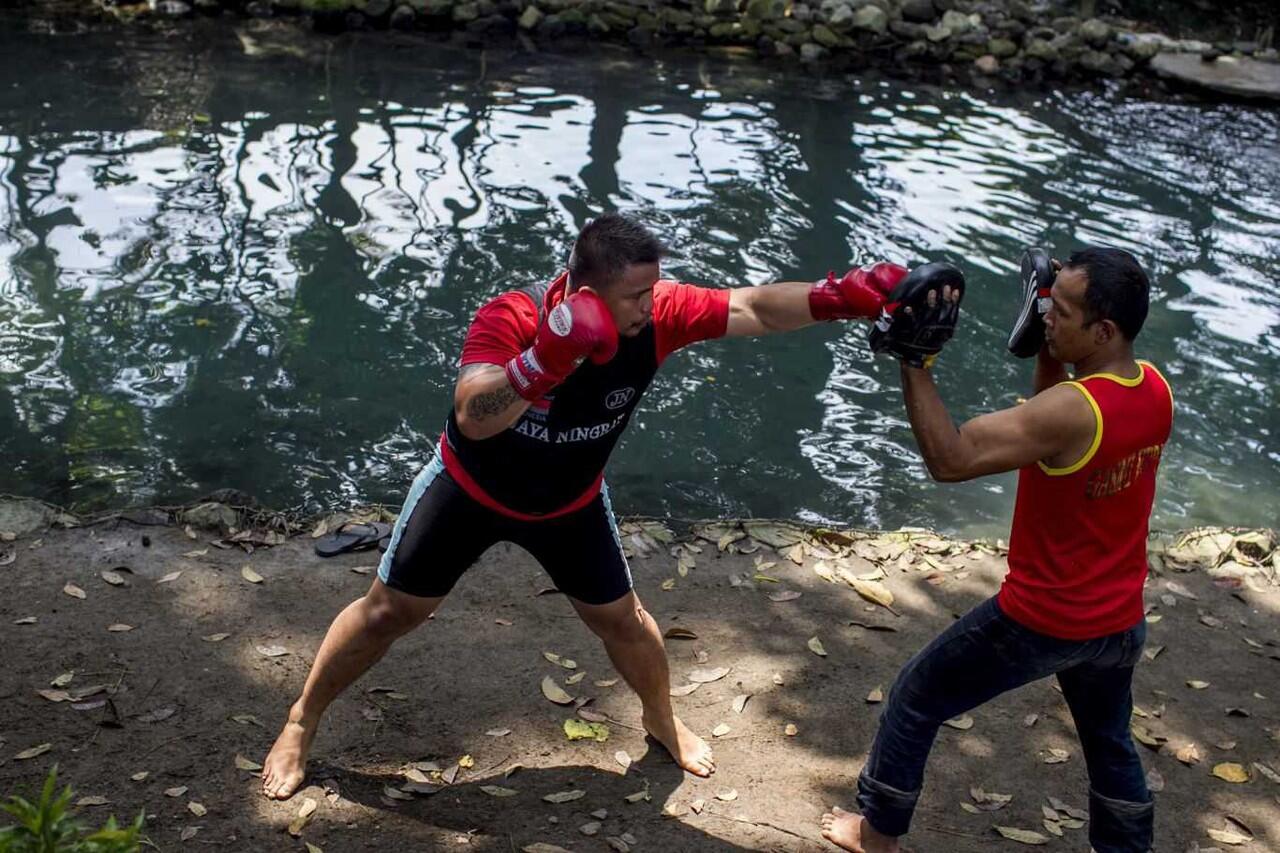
<point>550,377</point>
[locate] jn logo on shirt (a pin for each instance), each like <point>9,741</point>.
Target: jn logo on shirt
<point>618,399</point>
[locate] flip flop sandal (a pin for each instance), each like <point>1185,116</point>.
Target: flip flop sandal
<point>352,536</point>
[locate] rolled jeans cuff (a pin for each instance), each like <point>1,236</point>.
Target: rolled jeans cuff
<point>886,808</point>
<point>1120,826</point>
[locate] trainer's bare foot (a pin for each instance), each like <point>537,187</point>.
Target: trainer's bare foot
<point>689,751</point>
<point>851,832</point>
<point>286,765</point>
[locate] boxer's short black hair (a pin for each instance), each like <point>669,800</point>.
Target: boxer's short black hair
<point>610,243</point>
<point>1118,290</point>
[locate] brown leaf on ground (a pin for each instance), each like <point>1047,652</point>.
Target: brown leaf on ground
<point>706,675</point>
<point>876,695</point>
<point>300,821</point>
<point>1229,771</point>
<point>250,575</point>
<point>964,722</point>
<point>554,692</point>
<point>1188,754</point>
<point>74,591</point>
<point>33,752</point>
<point>740,702</point>
<point>564,796</point>
<point>680,634</point>
<point>815,646</point>
<point>1022,836</point>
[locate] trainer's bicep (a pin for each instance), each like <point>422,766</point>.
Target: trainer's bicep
<point>1016,437</point>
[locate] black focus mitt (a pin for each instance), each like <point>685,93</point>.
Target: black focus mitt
<point>1037,278</point>
<point>916,336</point>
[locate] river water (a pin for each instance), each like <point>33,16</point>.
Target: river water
<point>250,262</point>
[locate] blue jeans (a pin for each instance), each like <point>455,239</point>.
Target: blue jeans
<point>984,654</point>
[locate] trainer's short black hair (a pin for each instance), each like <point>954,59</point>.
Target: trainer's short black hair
<point>607,245</point>
<point>1118,290</point>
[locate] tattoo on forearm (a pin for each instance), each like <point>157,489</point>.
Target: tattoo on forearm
<point>491,403</point>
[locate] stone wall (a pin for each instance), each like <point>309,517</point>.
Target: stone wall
<point>1017,40</point>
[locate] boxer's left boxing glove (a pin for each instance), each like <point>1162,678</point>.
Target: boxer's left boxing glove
<point>1037,275</point>
<point>860,292</point>
<point>580,327</point>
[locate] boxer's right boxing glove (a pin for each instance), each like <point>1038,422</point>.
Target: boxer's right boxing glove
<point>580,327</point>
<point>1037,279</point>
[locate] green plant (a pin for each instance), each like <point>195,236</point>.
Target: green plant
<point>47,826</point>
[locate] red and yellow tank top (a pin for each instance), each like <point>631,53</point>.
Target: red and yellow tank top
<point>1078,548</point>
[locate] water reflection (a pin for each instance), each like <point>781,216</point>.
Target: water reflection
<point>261,279</point>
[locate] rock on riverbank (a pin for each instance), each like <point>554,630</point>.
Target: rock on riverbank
<point>1014,40</point>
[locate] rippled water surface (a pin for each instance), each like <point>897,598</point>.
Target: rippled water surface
<point>230,262</point>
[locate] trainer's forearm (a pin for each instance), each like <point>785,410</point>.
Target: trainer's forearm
<point>486,404</point>
<point>939,440</point>
<point>780,307</point>
<point>1049,371</point>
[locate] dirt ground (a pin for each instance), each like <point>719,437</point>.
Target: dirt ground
<point>184,705</point>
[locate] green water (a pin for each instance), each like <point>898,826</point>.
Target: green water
<point>223,269</point>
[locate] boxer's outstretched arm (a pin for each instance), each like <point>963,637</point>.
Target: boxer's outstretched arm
<point>1056,426</point>
<point>768,308</point>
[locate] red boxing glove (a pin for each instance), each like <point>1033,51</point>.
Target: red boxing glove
<point>861,293</point>
<point>580,327</point>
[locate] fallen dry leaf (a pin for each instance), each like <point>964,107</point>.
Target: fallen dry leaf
<point>964,722</point>
<point>706,675</point>
<point>680,634</point>
<point>250,575</point>
<point>305,811</point>
<point>582,730</point>
<point>875,696</point>
<point>498,732</point>
<point>92,801</point>
<point>169,578</point>
<point>33,752</point>
<point>214,638</point>
<point>272,651</point>
<point>728,796</point>
<point>498,791</point>
<point>1229,837</point>
<point>1188,754</point>
<point>119,628</point>
<point>1053,755</point>
<point>740,702</point>
<point>140,776</point>
<point>175,792</point>
<point>790,730</point>
<point>197,809</point>
<point>1229,771</point>
<point>1197,685</point>
<point>605,682</point>
<point>721,730</point>
<point>784,595</point>
<point>1022,836</point>
<point>114,578</point>
<point>564,796</point>
<point>815,646</point>
<point>243,763</point>
<point>74,591</point>
<point>554,692</point>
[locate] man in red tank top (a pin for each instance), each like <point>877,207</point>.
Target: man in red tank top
<point>1071,606</point>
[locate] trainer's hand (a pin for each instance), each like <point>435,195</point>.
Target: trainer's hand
<point>578,328</point>
<point>920,315</point>
<point>1038,271</point>
<point>860,292</point>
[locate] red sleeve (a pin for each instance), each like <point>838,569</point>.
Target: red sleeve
<point>684,314</point>
<point>502,328</point>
